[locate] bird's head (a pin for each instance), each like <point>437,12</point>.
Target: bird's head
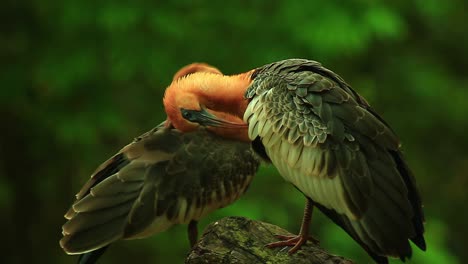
<point>180,101</point>
<point>196,98</point>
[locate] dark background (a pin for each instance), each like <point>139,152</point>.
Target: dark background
<point>80,79</point>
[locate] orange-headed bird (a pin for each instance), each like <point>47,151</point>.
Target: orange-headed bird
<point>164,177</point>
<point>324,138</point>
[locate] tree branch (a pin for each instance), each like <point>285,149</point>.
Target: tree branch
<point>241,240</point>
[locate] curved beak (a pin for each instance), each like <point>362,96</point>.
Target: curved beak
<point>205,118</point>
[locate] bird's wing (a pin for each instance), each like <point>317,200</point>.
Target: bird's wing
<point>311,123</point>
<point>325,139</point>
<point>162,178</point>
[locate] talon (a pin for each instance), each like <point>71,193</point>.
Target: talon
<point>295,242</point>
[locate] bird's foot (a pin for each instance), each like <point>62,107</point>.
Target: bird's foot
<point>294,241</point>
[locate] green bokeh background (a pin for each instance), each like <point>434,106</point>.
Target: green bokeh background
<point>80,79</point>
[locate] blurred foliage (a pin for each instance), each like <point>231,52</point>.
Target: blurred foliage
<point>79,79</point>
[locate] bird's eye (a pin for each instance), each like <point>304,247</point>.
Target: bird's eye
<point>186,114</point>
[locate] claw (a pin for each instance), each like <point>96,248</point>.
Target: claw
<point>287,237</point>
<point>295,242</point>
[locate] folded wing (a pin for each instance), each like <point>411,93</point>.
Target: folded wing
<point>326,140</point>
<point>162,178</point>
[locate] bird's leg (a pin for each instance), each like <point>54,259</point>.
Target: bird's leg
<point>192,231</point>
<point>297,241</point>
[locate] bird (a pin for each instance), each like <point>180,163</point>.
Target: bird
<point>324,138</point>
<point>163,178</point>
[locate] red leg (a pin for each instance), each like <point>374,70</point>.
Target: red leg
<point>297,241</point>
<point>192,232</point>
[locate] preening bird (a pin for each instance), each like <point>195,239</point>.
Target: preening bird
<point>324,138</point>
<point>164,177</point>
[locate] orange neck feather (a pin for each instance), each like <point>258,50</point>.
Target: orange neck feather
<point>220,93</point>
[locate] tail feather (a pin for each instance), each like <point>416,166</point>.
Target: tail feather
<point>90,203</point>
<point>94,238</point>
<point>91,257</point>
<point>414,198</point>
<point>88,220</point>
<point>394,215</point>
<point>113,185</point>
<point>97,220</point>
<point>345,224</point>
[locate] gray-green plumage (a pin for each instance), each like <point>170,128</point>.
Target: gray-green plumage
<point>326,139</point>
<point>162,178</point>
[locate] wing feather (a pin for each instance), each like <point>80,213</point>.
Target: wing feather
<point>162,178</point>
<point>326,140</point>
